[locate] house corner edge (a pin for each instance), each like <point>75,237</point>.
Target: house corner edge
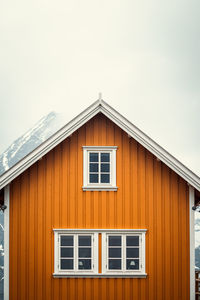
<point>192,243</point>
<point>6,240</point>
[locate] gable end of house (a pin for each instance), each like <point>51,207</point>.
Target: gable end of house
<point>101,106</point>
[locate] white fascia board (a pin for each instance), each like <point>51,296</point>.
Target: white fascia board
<point>119,120</point>
<point>151,145</point>
<point>49,144</point>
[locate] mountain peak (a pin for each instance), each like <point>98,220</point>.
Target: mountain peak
<point>30,140</point>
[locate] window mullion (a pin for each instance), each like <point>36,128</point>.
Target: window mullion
<point>123,252</point>
<point>76,252</point>
<point>99,167</point>
<point>107,252</point>
<point>59,246</point>
<point>92,254</point>
<point>110,164</point>
<point>88,167</point>
<point>140,252</point>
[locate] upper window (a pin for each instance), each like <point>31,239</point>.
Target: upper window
<point>99,168</point>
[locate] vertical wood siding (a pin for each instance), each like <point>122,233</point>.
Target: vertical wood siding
<point>49,195</point>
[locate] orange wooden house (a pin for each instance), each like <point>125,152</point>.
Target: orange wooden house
<point>99,211</point>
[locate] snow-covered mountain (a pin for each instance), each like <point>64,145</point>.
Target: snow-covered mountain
<point>42,130</point>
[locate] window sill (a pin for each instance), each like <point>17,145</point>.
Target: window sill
<point>100,188</point>
<point>140,275</point>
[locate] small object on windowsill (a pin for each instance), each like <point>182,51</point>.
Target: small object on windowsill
<point>3,207</point>
<point>196,208</point>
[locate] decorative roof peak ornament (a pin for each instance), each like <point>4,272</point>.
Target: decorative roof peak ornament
<point>100,98</point>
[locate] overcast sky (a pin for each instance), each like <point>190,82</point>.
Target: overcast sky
<point>144,56</point>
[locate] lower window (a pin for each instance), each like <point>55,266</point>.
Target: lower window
<point>123,253</point>
<point>77,252</point>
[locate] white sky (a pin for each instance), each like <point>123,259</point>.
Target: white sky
<point>144,56</point>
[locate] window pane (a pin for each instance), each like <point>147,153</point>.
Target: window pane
<point>94,178</point>
<point>105,157</point>
<point>67,240</point>
<point>67,264</point>
<point>84,240</point>
<point>132,252</point>
<point>105,167</point>
<point>114,252</point>
<point>84,264</point>
<point>114,264</point>
<point>105,178</point>
<point>132,264</point>
<point>114,240</point>
<point>94,168</point>
<point>132,241</point>
<point>67,252</point>
<point>84,252</point>
<point>94,157</point>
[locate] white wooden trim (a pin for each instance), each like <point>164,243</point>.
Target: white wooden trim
<point>95,250</point>
<point>56,275</point>
<point>56,251</point>
<point>100,147</point>
<point>6,241</point>
<point>143,254</point>
<point>103,253</point>
<point>81,230</point>
<point>100,106</point>
<point>192,243</point>
<point>99,188</point>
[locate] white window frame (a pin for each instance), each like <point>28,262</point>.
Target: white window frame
<point>141,273</point>
<point>94,252</point>
<point>99,186</point>
<point>124,271</point>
